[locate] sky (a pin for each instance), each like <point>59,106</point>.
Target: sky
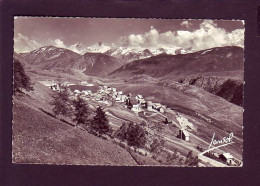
<point>31,33</point>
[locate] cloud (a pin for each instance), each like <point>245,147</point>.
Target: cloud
<point>59,43</point>
<point>150,38</point>
<point>186,24</point>
<point>24,44</point>
<point>208,35</point>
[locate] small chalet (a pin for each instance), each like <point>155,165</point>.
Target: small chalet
<point>227,157</point>
<point>149,106</point>
<point>136,108</point>
<point>183,134</point>
<point>161,109</point>
<point>119,98</point>
<point>98,97</point>
<point>84,83</point>
<point>85,92</point>
<point>76,91</point>
<point>138,97</point>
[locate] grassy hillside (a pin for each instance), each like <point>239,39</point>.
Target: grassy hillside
<point>189,100</point>
<point>40,138</point>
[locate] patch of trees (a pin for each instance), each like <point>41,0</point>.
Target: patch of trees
<point>134,134</point>
<point>21,79</point>
<point>79,112</point>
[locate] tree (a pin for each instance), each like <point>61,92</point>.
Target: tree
<point>157,146</point>
<point>122,131</point>
<point>172,156</point>
<point>99,124</point>
<point>136,135</point>
<point>21,80</point>
<point>129,104</point>
<point>61,102</point>
<point>81,111</point>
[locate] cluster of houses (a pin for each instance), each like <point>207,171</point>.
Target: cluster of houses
<point>107,95</point>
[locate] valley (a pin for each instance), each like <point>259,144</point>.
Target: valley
<point>200,92</point>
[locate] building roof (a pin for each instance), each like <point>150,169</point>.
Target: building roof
<point>139,96</point>
<point>77,91</point>
<point>185,133</point>
<point>228,155</point>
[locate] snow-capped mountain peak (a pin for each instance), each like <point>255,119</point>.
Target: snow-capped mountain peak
<point>98,48</point>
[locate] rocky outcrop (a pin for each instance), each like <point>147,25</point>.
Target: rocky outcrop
<point>229,89</point>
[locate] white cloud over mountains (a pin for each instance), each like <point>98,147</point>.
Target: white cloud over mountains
<point>24,44</point>
<point>207,36</point>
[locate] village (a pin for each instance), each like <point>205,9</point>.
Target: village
<point>109,96</point>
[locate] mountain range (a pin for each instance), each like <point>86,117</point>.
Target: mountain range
<point>217,70</point>
<point>128,53</point>
<point>211,61</point>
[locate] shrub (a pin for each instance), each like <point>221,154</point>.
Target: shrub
<point>171,157</point>
<point>157,146</point>
<point>191,160</point>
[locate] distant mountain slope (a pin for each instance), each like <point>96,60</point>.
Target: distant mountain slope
<point>229,89</point>
<point>96,64</point>
<point>219,60</point>
<point>217,70</point>
<point>51,58</point>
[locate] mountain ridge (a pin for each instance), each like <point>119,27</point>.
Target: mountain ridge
<point>217,59</point>
<point>51,58</point>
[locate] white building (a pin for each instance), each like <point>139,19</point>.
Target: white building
<point>136,108</point>
<point>150,106</point>
<point>161,109</point>
<point>138,97</point>
<point>85,92</point>
<point>227,157</point>
<point>77,91</point>
<point>83,83</point>
<point>184,135</point>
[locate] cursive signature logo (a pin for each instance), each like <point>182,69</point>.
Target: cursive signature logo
<point>222,142</point>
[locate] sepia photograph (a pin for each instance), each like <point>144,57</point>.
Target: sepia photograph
<point>128,92</point>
